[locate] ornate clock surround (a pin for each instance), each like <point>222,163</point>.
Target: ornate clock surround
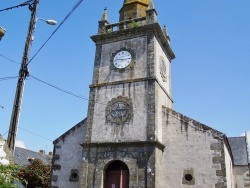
<point>119,110</point>
<point>131,65</point>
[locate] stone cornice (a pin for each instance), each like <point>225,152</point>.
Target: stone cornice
<point>156,144</point>
<point>132,81</point>
<point>129,33</point>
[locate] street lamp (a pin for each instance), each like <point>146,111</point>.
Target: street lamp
<point>2,32</point>
<point>50,22</point>
<point>23,73</point>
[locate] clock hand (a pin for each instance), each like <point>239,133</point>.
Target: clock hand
<point>123,58</point>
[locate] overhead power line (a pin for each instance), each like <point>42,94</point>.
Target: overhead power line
<point>64,20</point>
<point>8,78</point>
<point>55,87</point>
<point>8,59</point>
<point>63,90</point>
<point>20,5</point>
<point>30,132</point>
<point>36,134</point>
<point>5,133</point>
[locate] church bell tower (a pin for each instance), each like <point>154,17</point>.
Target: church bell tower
<point>131,85</point>
<point>132,9</point>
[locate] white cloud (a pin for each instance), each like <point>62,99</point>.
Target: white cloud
<point>20,144</point>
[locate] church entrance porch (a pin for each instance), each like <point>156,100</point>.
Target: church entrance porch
<point>117,175</point>
<point>119,165</point>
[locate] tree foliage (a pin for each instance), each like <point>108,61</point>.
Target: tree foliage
<point>7,176</point>
<point>35,175</point>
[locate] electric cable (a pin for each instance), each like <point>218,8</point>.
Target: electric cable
<point>8,78</point>
<point>63,90</point>
<point>64,20</point>
<point>5,133</point>
<point>8,59</point>
<point>17,6</point>
<point>55,87</point>
<point>36,134</point>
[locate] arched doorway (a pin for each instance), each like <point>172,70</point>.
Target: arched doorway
<point>117,175</point>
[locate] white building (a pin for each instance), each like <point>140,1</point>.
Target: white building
<point>3,159</point>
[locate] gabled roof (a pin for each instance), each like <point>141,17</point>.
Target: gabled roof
<point>22,155</point>
<point>189,122</point>
<point>81,123</point>
<point>239,150</point>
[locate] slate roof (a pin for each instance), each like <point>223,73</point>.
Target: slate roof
<point>238,147</point>
<point>22,155</point>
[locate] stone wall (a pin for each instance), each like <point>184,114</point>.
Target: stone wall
<point>67,157</point>
<point>194,153</point>
<point>242,176</point>
<point>105,131</point>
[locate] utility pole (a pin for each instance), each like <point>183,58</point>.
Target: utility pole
<point>23,72</point>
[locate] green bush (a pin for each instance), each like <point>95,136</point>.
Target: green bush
<point>7,176</point>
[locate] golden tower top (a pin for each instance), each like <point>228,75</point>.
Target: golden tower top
<point>132,9</point>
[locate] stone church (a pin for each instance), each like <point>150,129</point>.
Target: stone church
<point>132,137</point>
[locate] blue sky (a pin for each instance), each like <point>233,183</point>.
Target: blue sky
<point>210,75</point>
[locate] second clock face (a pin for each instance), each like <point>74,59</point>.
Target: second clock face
<point>122,59</point>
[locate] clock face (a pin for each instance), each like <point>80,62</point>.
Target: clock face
<point>122,59</point>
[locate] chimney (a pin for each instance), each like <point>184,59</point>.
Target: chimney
<point>42,151</point>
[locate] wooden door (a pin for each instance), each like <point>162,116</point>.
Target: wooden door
<point>117,177</point>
